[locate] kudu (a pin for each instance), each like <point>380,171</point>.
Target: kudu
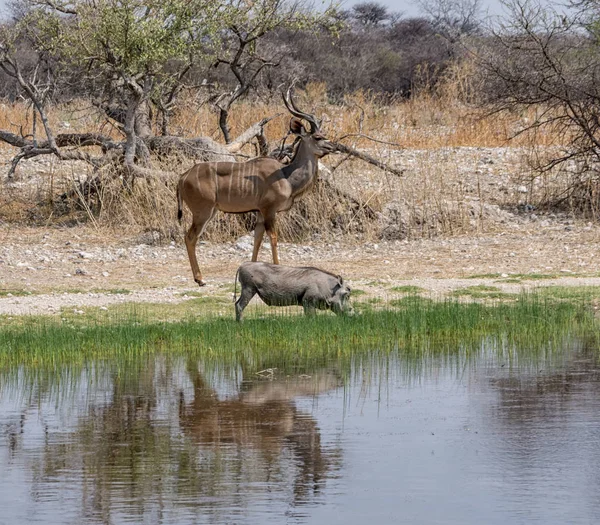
<point>263,185</point>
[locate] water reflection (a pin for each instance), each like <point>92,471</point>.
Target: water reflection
<point>263,423</point>
<point>544,428</point>
<point>494,437</point>
<point>148,439</point>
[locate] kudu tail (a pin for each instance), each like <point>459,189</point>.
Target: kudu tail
<point>179,205</point>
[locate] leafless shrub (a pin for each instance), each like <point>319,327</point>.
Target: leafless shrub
<point>547,63</point>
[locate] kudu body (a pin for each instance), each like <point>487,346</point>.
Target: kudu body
<point>263,185</point>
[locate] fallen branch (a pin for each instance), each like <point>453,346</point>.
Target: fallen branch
<point>256,130</point>
<point>373,139</point>
<point>14,140</point>
<point>29,152</point>
<point>367,158</point>
<point>200,148</point>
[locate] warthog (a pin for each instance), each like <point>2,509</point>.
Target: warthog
<point>285,286</point>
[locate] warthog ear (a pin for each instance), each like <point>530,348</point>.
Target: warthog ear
<point>296,126</point>
<point>340,280</point>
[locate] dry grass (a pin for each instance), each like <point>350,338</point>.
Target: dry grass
<point>426,121</point>
<point>436,196</point>
<point>151,207</point>
<point>444,116</point>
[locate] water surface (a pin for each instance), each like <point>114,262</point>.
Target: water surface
<point>382,439</point>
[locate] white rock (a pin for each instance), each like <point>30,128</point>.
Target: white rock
<point>245,243</point>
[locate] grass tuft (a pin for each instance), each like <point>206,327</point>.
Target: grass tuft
<point>407,289</point>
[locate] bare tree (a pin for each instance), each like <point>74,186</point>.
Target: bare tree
<point>453,18</point>
<point>549,62</point>
<point>244,55</point>
<point>134,59</point>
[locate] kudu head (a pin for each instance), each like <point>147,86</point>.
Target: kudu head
<point>313,139</point>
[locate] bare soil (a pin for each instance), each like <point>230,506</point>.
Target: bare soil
<point>45,269</point>
<point>471,202</point>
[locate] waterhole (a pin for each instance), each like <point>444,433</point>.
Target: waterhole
<point>479,438</point>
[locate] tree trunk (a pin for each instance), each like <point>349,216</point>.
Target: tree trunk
<point>223,114</point>
<point>143,120</point>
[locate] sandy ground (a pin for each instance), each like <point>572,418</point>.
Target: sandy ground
<point>45,269</point>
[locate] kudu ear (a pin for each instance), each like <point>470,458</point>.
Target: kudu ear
<point>296,126</point>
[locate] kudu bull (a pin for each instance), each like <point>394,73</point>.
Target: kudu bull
<point>263,185</point>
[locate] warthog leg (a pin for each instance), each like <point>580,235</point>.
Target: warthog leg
<point>246,295</point>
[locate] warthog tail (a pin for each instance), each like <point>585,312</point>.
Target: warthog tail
<point>179,205</point>
<point>235,285</point>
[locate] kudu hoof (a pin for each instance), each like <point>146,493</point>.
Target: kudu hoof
<point>200,282</point>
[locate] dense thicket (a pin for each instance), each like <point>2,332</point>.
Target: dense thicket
<point>371,49</point>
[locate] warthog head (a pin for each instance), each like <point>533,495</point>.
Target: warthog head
<point>340,299</point>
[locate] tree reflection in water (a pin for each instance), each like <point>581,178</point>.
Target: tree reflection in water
<point>544,425</point>
<point>141,448</point>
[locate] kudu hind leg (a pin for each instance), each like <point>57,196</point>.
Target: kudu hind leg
<point>191,239</point>
<point>272,233</point>
<point>259,232</point>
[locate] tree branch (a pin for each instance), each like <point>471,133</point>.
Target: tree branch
<point>367,158</point>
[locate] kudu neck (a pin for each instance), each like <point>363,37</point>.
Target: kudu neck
<point>302,170</point>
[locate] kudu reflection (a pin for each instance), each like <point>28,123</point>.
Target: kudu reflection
<point>264,418</point>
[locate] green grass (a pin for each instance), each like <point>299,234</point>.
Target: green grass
<point>107,291</point>
<point>407,289</point>
<point>412,325</point>
<point>526,276</point>
<point>227,287</point>
<point>570,293</point>
<point>482,291</point>
<point>15,293</point>
<point>153,312</point>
